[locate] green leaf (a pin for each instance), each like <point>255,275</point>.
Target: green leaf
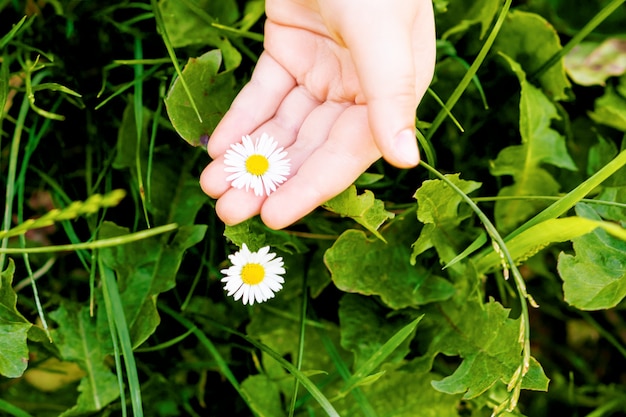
<point>519,39</point>
<point>540,145</point>
<point>610,110</point>
<point>212,92</point>
<point>364,209</point>
<point>256,235</point>
<point>440,208</point>
<point>372,267</point>
<point>190,22</point>
<point>13,328</point>
<point>365,327</point>
<point>488,341</point>
<point>144,270</point>
<point>595,277</point>
<point>380,355</point>
<point>263,396</point>
<point>80,340</point>
<point>460,16</point>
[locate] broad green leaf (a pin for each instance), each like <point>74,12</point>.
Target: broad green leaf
<point>610,110</point>
<point>459,16</point>
<point>592,63</point>
<point>409,394</point>
<point>256,235</point>
<point>263,396</point>
<point>520,37</point>
<point>367,266</point>
<point>440,208</point>
<point>595,277</point>
<point>144,270</point>
<point>487,340</point>
<point>532,240</point>
<point>212,91</point>
<point>540,145</point>
<point>79,340</point>
<point>365,327</point>
<point>364,209</point>
<point>190,22</point>
<point>13,328</point>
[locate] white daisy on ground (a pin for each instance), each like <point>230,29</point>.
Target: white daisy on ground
<point>258,165</point>
<point>255,276</point>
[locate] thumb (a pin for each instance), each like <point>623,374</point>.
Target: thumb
<point>393,49</point>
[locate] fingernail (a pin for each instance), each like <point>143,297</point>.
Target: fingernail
<point>405,146</point>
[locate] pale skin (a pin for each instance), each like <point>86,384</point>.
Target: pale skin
<point>337,85</point>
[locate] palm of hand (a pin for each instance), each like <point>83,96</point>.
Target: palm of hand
<point>305,92</point>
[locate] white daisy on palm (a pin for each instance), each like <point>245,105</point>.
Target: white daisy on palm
<point>253,276</point>
<point>258,164</point>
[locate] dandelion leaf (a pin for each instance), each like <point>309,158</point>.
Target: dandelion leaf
<point>364,209</point>
<point>13,328</point>
<point>145,269</point>
<point>487,340</point>
<point>540,145</point>
<point>369,266</point>
<point>212,92</point>
<point>592,63</point>
<point>80,339</point>
<point>440,208</point>
<point>459,16</point>
<point>594,278</point>
<point>519,37</point>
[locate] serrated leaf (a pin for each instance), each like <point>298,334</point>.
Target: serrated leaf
<point>595,277</point>
<point>540,145</point>
<point>256,235</point>
<point>79,340</point>
<point>144,270</point>
<point>13,328</point>
<point>442,211</point>
<point>367,266</point>
<point>364,209</point>
<point>212,92</point>
<point>519,37</point>
<point>488,341</point>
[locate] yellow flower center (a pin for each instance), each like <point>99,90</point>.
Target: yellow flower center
<point>257,164</point>
<point>252,274</point>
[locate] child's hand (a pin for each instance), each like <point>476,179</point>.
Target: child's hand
<point>337,86</point>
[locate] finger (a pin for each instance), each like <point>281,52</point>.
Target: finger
<point>283,127</point>
<point>235,206</point>
<point>330,169</point>
<point>256,103</point>
<point>394,64</point>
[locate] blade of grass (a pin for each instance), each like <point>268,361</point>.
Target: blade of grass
<point>138,108</point>
<point>11,34</point>
<point>12,410</point>
<point>120,330</point>
<point>471,72</point>
<point>303,310</point>
<point>170,50</point>
<point>96,244</point>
